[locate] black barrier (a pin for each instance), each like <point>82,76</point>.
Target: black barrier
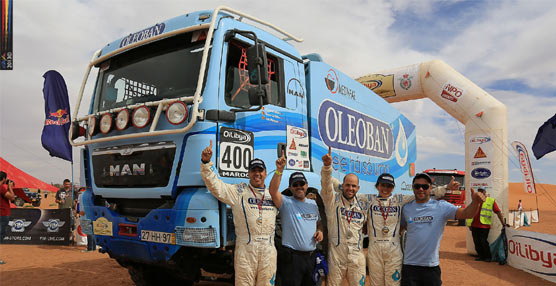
<point>36,226</point>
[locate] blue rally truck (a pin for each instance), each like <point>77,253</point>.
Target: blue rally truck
<point>162,93</point>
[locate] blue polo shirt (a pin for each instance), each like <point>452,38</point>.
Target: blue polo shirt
<point>425,226</point>
<point>299,223</point>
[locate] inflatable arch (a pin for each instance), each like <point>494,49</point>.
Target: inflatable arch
<point>484,117</point>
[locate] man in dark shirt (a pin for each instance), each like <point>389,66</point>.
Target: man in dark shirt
<point>64,196</point>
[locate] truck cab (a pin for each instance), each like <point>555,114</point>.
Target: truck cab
<point>163,92</point>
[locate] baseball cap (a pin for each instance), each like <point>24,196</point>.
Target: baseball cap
<point>297,177</point>
<point>386,178</point>
<point>256,163</point>
<point>422,176</point>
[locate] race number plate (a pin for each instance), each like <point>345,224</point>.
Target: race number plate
<point>157,236</point>
<point>236,150</point>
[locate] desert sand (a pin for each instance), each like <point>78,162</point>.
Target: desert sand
<point>65,265</point>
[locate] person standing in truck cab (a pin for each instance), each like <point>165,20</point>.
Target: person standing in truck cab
<point>254,220</point>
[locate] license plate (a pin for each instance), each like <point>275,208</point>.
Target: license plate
<point>157,236</point>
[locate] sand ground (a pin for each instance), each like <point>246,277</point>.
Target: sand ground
<point>65,265</point>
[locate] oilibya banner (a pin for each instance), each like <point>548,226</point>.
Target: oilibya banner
<point>532,252</point>
<point>525,164</point>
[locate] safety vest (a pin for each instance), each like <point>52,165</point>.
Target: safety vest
<point>486,212</point>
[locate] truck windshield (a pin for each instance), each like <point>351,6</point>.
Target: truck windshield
<point>165,69</point>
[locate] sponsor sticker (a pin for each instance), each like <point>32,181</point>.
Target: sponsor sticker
<point>295,88</point>
<point>298,148</point>
<point>479,154</point>
<point>452,92</point>
<point>102,226</point>
<point>480,173</point>
<point>383,85</point>
<point>333,84</point>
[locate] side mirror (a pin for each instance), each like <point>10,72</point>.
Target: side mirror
<point>257,64</point>
<point>258,96</point>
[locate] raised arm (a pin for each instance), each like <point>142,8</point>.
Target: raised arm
<point>226,193</point>
<point>328,184</point>
<point>477,200</point>
<point>10,195</point>
<point>275,182</point>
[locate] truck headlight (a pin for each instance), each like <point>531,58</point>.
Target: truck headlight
<point>122,119</point>
<point>176,112</point>
<point>105,123</point>
<point>141,116</point>
<point>92,125</point>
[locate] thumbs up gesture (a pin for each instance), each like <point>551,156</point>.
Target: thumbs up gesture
<point>453,185</point>
<point>327,158</point>
<point>206,155</point>
<point>477,197</point>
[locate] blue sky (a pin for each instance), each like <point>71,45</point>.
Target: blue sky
<point>505,47</point>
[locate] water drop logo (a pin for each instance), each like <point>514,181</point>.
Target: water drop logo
<point>396,276</point>
<point>401,146</point>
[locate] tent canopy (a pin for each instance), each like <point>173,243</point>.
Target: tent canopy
<point>22,179</point>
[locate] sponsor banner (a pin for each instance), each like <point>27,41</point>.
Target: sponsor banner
<point>525,164</point>
<point>381,84</point>
<point>480,149</point>
<point>6,34</point>
<point>236,151</point>
<point>297,150</point>
<point>532,252</point>
<point>36,226</point>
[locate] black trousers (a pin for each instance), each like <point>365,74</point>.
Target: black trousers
<point>296,267</point>
<point>421,275</point>
<point>480,239</point>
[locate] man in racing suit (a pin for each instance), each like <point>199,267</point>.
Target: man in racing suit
<point>384,255</point>
<point>345,218</point>
<point>254,218</point>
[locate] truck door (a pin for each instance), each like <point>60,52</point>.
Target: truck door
<point>256,134</point>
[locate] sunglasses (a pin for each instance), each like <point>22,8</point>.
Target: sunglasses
<point>418,186</point>
<point>298,184</point>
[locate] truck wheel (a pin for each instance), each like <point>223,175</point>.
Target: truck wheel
<point>19,202</point>
<point>461,222</point>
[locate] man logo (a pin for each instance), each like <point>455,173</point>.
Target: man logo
<point>19,225</point>
<point>53,225</point>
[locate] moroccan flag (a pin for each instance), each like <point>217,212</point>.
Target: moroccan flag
<point>545,141</point>
<point>57,110</point>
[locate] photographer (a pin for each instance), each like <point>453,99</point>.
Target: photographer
<point>6,195</point>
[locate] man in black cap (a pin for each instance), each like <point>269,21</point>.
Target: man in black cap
<point>254,220</point>
<point>425,219</point>
<point>300,228</point>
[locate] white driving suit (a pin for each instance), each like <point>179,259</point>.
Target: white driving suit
<point>384,255</point>
<point>255,254</point>
<point>345,223</point>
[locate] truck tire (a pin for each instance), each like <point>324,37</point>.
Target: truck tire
<point>145,275</point>
<point>19,202</point>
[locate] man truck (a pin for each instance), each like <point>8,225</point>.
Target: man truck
<point>162,93</point>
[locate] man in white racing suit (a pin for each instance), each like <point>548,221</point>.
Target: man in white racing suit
<point>254,220</point>
<point>384,255</point>
<point>346,216</point>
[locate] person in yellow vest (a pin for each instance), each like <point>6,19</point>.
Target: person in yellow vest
<point>480,226</point>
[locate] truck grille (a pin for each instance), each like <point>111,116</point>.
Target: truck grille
<point>144,165</point>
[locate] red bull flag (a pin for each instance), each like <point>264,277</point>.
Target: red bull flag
<point>525,164</point>
<point>57,123</point>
